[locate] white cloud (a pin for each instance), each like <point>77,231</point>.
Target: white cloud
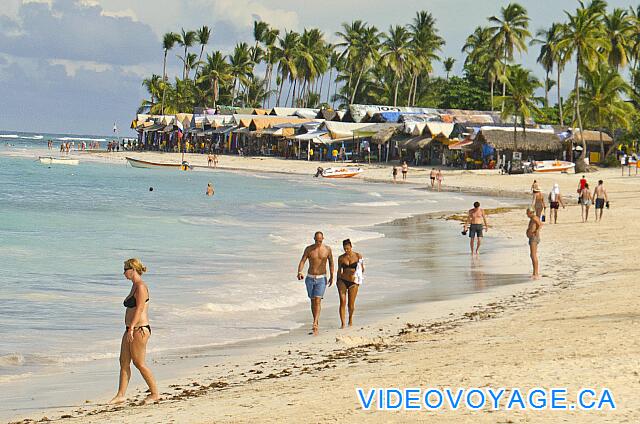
<point>243,12</point>
<point>126,13</point>
<point>71,67</point>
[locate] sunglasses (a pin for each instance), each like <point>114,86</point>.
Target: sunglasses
<point>127,269</point>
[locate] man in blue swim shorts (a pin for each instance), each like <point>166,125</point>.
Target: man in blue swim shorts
<point>316,280</point>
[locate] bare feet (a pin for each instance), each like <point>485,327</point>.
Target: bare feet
<point>117,400</point>
<point>152,398</point>
<point>315,329</point>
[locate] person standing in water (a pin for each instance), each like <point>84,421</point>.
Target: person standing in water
<point>405,169</point>
<point>600,197</point>
<point>533,234</point>
<point>350,269</point>
<point>474,223</point>
<point>316,280</point>
<point>555,200</point>
<point>210,191</point>
<point>137,332</point>
<point>394,173</point>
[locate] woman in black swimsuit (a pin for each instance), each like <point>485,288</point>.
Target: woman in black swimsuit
<point>137,332</point>
<point>347,281</point>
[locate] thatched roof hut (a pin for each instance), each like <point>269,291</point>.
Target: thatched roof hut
<point>530,141</point>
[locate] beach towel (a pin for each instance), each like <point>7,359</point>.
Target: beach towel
<point>359,274</point>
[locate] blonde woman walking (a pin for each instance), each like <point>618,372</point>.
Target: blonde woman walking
<point>133,347</point>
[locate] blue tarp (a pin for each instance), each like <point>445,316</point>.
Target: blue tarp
<point>487,150</point>
<point>390,116</point>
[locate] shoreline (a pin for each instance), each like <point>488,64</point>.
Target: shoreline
<point>499,304</point>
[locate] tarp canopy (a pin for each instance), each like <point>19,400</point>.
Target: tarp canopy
<point>310,135</point>
<point>342,129</point>
<point>458,145</point>
<point>224,130</point>
<point>437,128</point>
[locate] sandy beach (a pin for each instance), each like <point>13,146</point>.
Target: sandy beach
<point>577,327</point>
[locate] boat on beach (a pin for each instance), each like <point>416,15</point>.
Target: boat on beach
<point>138,163</point>
<point>51,160</point>
<point>553,166</point>
<point>341,172</point>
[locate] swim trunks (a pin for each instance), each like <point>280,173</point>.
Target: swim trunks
<point>475,230</point>
<point>316,285</point>
<point>599,203</point>
<point>555,205</point>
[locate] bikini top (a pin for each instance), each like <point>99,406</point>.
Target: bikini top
<point>351,266</point>
<point>130,302</point>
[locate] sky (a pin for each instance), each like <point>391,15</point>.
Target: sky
<point>76,66</point>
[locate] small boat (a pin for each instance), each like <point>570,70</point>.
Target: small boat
<point>137,163</point>
<point>341,172</point>
<point>51,160</point>
<point>553,166</point>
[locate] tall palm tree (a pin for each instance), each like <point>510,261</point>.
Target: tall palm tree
<point>425,43</point>
<point>560,58</point>
<point>202,37</point>
<point>521,101</point>
<point>481,55</point>
<point>448,65</point>
<point>634,50</point>
<point>241,68</point>
<point>168,41</point>
<point>583,36</point>
<point>396,52</point>
<point>509,33</point>
<point>619,27</point>
<point>361,49</point>
<point>215,71</point>
<point>602,103</point>
<point>269,40</point>
<point>190,62</point>
<point>334,58</point>
<point>286,54</point>
<point>186,40</point>
<point>546,57</point>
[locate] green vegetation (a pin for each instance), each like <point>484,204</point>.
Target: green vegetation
<point>370,66</point>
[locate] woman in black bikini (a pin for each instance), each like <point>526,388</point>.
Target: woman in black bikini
<point>347,279</point>
<point>134,341</point>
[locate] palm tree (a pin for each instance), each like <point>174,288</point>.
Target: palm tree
<point>215,71</point>
<point>619,27</point>
<point>396,54</point>
<point>270,38</point>
<point>190,62</point>
<point>154,88</point>
<point>521,102</point>
<point>425,42</point>
<point>546,56</point>
<point>241,68</point>
<point>582,36</point>
<point>602,103</point>
<point>187,38</point>
<point>202,37</point>
<point>560,58</point>
<point>168,41</point>
<point>481,55</point>
<point>448,65</point>
<point>509,33</point>
<point>361,48</point>
<point>286,59</point>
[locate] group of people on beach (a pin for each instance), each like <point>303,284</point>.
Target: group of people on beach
<point>435,175</point>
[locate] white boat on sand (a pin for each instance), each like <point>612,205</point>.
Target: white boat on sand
<point>553,166</point>
<point>341,172</point>
<point>138,163</point>
<point>51,160</point>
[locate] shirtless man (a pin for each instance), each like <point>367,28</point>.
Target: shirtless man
<point>432,177</point>
<point>600,197</point>
<point>316,280</point>
<point>475,219</point>
<point>533,233</point>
